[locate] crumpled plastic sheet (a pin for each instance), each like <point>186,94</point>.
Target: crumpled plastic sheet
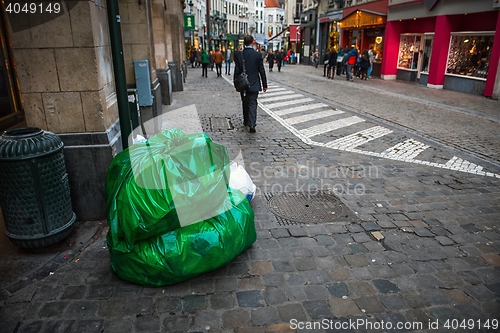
<point>171,213</point>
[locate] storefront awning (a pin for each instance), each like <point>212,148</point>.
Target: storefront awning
<point>363,19</point>
<point>294,33</point>
<point>277,35</point>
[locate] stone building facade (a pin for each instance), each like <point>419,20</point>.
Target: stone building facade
<point>62,73</point>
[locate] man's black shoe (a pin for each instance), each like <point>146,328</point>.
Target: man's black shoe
<point>252,130</point>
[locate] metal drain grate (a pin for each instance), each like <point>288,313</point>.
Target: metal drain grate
<point>220,124</point>
<point>317,207</point>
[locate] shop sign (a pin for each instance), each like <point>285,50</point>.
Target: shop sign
<point>189,22</point>
<point>362,19</point>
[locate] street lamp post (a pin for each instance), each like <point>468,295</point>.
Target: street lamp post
<point>281,21</point>
<point>208,24</point>
<point>191,35</point>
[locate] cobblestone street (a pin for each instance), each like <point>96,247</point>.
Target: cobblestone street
<point>414,246</point>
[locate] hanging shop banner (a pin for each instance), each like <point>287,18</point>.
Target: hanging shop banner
<point>189,22</point>
<point>362,18</point>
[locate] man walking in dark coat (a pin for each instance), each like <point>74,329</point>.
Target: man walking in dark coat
<point>254,67</point>
<point>279,58</point>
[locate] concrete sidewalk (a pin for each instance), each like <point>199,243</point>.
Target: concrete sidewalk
<point>414,247</point>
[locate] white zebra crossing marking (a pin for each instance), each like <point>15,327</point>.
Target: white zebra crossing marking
<point>301,108</point>
<point>460,164</point>
<point>358,138</point>
<point>404,151</point>
<point>280,98</point>
<point>408,149</point>
<point>292,102</point>
<point>272,89</point>
<point>275,93</point>
<point>312,116</point>
<point>330,126</point>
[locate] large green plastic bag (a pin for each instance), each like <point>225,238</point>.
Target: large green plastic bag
<point>171,214</point>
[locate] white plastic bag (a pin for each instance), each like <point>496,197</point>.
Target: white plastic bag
<point>240,180</point>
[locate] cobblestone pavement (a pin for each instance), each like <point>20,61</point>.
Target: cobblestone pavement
<point>412,244</point>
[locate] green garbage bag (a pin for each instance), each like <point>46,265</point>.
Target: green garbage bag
<point>171,213</point>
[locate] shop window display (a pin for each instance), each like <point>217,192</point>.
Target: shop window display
<point>470,55</point>
<point>378,47</point>
<point>409,47</point>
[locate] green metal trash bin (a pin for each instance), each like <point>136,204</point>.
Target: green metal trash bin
<point>34,188</point>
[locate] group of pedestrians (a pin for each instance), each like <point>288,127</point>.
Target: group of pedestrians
<point>349,62</point>
<point>214,59</point>
<point>195,57</point>
<point>278,58</point>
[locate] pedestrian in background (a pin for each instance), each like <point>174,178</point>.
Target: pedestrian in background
<point>205,61</point>
<point>270,60</point>
<point>326,60</point>
<point>254,67</point>
<point>198,57</point>
<point>192,57</point>
<point>357,65</point>
<point>229,60</point>
<point>341,60</point>
<point>364,65</point>
<point>351,58</point>
<point>280,59</point>
<point>263,53</point>
<point>211,59</point>
<point>218,59</point>
<point>372,57</point>
<point>332,63</point>
<point>315,58</point>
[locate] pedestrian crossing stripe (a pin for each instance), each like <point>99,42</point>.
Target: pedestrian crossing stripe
<point>330,126</point>
<point>459,163</point>
<point>409,149</point>
<point>280,98</point>
<point>406,151</point>
<point>301,108</point>
<point>287,103</point>
<point>359,138</point>
<point>275,93</point>
<point>270,90</point>
<point>313,116</point>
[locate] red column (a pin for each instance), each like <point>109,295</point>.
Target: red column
<point>494,62</point>
<point>439,55</point>
<point>391,50</point>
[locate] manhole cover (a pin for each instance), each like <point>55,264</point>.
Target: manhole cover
<point>308,207</point>
<point>220,124</point>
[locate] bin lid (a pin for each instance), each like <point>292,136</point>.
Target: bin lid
<point>28,142</point>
